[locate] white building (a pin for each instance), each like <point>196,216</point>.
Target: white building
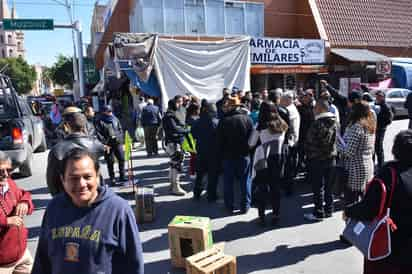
<point>11,42</point>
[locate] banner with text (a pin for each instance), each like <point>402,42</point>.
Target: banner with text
<point>273,51</point>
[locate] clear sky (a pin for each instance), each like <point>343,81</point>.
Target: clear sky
<point>43,46</point>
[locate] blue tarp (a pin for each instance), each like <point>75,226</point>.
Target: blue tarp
<point>151,87</point>
<point>402,74</point>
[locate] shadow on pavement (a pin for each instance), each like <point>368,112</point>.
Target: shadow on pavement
<point>162,267</point>
<point>284,255</point>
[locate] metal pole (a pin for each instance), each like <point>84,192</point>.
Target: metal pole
<point>75,70</point>
<point>80,49</point>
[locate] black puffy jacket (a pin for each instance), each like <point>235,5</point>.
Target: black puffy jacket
<point>233,134</point>
<point>57,153</point>
<point>173,128</point>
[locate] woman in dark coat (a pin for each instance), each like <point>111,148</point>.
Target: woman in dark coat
<point>399,261</point>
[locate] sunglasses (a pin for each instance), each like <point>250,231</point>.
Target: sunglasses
<point>5,172</point>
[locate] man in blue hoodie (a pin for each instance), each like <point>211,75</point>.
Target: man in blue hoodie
<point>87,229</point>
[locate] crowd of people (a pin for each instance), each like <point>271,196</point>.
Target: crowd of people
<point>263,141</point>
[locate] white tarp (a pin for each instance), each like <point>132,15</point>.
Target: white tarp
<point>202,69</point>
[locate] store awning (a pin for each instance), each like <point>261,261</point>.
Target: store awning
<point>359,55</point>
<point>150,88</point>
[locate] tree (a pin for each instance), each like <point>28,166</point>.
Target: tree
<point>62,71</point>
<point>20,72</point>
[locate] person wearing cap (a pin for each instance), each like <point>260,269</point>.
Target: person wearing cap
<point>76,136</point>
<point>61,131</point>
<point>204,130</point>
<point>233,133</point>
<point>384,119</point>
<point>110,133</point>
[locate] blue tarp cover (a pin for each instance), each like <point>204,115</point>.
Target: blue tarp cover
<point>151,87</point>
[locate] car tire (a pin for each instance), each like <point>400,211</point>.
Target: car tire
<point>26,169</point>
<point>43,145</point>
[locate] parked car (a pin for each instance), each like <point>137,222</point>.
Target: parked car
<point>21,131</point>
<point>396,98</point>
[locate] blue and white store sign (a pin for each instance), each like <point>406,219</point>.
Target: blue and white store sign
<point>278,51</point>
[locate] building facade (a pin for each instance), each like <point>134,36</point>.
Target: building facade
<point>11,42</point>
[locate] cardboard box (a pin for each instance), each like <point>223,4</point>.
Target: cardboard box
<point>145,204</point>
<point>188,235</point>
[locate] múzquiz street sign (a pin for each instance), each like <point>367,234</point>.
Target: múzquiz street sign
<point>28,24</point>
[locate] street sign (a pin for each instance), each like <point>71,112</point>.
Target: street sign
<point>384,67</point>
<point>90,71</point>
<point>28,24</point>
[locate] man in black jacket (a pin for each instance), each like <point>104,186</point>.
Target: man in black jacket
<point>384,119</point>
<point>110,133</point>
<point>233,133</point>
<point>204,131</point>
<point>174,133</point>
<point>75,125</point>
<point>321,152</point>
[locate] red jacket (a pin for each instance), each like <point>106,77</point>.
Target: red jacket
<point>13,240</point>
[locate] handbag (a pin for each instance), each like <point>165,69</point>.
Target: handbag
<point>373,238</point>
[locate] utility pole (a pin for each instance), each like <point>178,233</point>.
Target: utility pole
<point>78,28</point>
<point>68,6</point>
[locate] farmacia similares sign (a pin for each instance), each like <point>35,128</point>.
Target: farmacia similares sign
<point>273,51</point>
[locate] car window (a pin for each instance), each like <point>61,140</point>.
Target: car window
<point>8,108</point>
<point>395,94</point>
<point>25,108</point>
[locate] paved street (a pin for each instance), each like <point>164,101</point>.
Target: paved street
<point>294,246</point>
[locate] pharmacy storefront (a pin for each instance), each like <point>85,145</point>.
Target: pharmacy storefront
<point>286,63</point>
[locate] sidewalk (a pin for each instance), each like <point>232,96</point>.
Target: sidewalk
<point>293,246</point>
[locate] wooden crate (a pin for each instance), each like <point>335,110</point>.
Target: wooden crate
<point>211,261</point>
<point>188,235</point>
<point>145,204</point>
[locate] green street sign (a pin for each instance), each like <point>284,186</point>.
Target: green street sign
<point>28,24</point>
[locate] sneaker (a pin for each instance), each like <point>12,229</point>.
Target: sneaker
<point>312,217</point>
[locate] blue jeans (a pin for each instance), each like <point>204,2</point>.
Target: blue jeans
<point>237,169</point>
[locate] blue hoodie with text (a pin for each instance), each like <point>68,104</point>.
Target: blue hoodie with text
<point>100,239</point>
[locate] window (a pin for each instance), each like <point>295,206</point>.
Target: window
<point>9,39</point>
<point>3,53</point>
<point>195,17</point>
<point>151,16</point>
<point>215,17</point>
<point>235,21</point>
<point>174,16</point>
<point>254,19</point>
<point>395,94</point>
<point>1,39</point>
